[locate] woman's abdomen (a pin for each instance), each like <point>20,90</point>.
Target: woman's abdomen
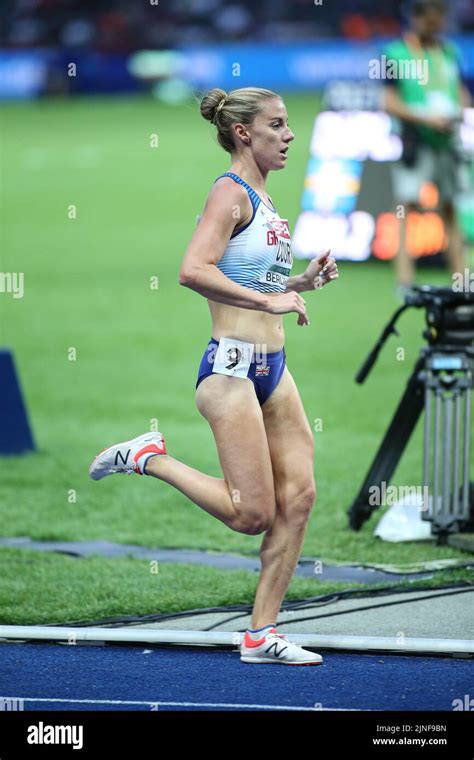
<point>248,325</point>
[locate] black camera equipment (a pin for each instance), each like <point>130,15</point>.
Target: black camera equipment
<point>441,383</point>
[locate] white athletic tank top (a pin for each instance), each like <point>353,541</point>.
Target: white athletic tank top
<point>258,256</point>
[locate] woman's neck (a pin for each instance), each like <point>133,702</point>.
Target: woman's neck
<point>251,174</point>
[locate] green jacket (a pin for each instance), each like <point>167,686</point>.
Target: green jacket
<point>427,80</point>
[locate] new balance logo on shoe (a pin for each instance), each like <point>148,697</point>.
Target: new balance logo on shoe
<point>278,652</point>
<point>124,461</point>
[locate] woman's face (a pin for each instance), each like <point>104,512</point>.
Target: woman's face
<point>270,135</point>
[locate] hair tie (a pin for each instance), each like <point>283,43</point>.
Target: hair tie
<point>219,107</point>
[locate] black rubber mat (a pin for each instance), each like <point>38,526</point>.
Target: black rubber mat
<point>307,567</point>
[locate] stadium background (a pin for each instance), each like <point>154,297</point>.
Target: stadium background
<point>105,166</point>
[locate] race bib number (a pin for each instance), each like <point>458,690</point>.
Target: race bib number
<point>278,236</point>
<point>233,357</point>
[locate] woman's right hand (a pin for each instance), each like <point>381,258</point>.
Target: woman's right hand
<point>285,303</point>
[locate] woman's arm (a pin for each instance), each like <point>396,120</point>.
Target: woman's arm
<point>320,270</point>
<point>210,282</point>
<point>226,204</point>
<point>296,282</point>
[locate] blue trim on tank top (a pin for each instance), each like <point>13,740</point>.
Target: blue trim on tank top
<point>254,199</point>
<point>250,189</point>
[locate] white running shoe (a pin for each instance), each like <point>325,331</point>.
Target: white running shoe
<point>275,648</point>
<point>123,457</point>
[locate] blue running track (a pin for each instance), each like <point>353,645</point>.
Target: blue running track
<point>68,677</point>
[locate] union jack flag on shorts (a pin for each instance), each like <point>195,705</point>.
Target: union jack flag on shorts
<point>262,370</point>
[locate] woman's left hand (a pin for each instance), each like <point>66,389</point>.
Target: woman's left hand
<point>321,270</point>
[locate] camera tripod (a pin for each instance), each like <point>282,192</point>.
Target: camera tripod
<point>441,384</point>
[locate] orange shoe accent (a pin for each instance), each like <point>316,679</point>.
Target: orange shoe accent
<point>152,448</point>
<point>250,643</point>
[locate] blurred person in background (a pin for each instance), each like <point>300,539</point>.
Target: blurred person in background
<point>430,109</point>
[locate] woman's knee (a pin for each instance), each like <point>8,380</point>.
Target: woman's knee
<point>254,518</point>
<point>299,501</point>
<point>305,499</point>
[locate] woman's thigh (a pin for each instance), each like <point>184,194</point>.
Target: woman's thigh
<point>231,407</point>
<point>291,445</point>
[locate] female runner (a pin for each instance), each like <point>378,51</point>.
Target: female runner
<point>239,258</point>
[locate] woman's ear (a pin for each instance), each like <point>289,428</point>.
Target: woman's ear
<point>242,134</point>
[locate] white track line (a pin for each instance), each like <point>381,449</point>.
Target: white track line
<point>151,702</point>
